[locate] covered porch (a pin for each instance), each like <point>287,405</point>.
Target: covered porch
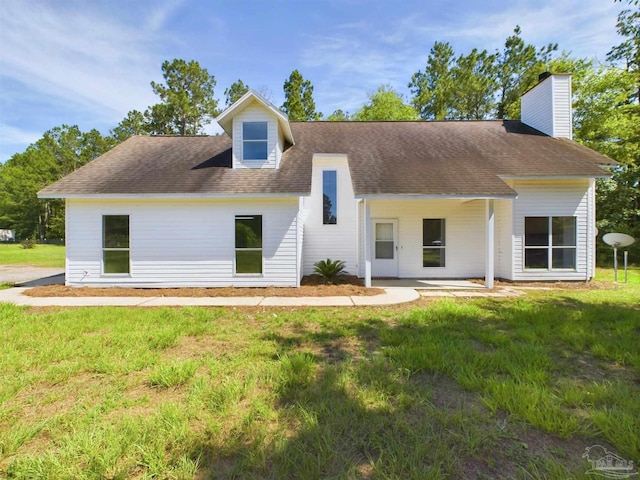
<point>429,243</point>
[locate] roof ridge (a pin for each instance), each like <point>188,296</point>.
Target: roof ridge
<point>178,135</point>
<point>492,120</point>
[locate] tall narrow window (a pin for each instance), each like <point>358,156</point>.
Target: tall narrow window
<point>433,242</point>
<point>329,197</point>
<point>115,244</point>
<point>254,140</point>
<point>550,242</point>
<point>249,244</point>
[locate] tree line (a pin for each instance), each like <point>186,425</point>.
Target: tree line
<point>474,86</point>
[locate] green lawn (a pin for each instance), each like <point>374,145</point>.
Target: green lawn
<point>507,388</point>
<point>607,275</point>
<point>40,256</point>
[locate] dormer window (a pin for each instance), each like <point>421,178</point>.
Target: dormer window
<point>254,141</point>
<point>259,132</point>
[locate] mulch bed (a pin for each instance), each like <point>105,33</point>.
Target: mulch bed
<point>311,287</point>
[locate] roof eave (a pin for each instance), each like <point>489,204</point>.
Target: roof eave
<point>134,196</point>
<point>445,196</point>
<point>553,177</point>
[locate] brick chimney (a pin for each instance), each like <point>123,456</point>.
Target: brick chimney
<point>547,106</point>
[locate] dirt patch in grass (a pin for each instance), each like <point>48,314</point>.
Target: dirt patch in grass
<point>310,287</point>
<point>143,399</point>
<point>45,399</point>
<point>448,394</point>
<point>521,449</point>
<point>583,368</point>
<point>336,350</point>
<point>198,348</point>
<point>511,445</point>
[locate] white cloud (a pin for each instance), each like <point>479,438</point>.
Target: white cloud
<point>584,27</point>
<point>14,135</point>
<point>358,56</point>
<point>12,140</point>
<point>84,57</point>
<point>93,61</point>
<point>157,18</point>
<point>355,66</point>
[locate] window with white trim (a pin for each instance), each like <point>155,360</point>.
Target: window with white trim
<point>249,244</point>
<point>433,242</point>
<point>254,140</point>
<point>550,243</point>
<point>115,244</point>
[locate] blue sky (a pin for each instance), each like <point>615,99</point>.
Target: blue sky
<point>88,63</point>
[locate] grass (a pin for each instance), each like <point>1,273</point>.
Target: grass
<point>483,388</point>
<point>173,374</point>
<point>607,274</point>
<point>40,256</point>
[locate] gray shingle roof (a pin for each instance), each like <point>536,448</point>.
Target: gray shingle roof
<point>385,158</point>
<point>145,165</point>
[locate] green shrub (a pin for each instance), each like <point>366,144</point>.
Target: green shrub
<point>28,243</point>
<point>330,270</point>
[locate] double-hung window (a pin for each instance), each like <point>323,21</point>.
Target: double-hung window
<point>115,244</point>
<point>550,242</point>
<point>249,244</point>
<point>433,242</point>
<point>329,197</point>
<point>254,140</point>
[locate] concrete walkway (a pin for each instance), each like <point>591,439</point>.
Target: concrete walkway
<point>391,296</point>
<point>28,276</point>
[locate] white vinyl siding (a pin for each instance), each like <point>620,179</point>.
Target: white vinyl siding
<point>465,235</point>
<point>256,113</point>
<point>552,198</point>
<point>336,241</point>
<point>183,242</point>
<point>547,106</point>
<point>503,250</point>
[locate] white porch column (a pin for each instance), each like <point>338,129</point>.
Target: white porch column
<point>367,245</point>
<point>490,244</point>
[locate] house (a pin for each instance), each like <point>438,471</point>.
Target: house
<point>260,204</point>
<point>7,235</point>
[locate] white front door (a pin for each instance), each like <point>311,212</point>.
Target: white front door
<point>385,248</point>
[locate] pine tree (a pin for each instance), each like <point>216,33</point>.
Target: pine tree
<point>299,104</point>
<point>188,102</point>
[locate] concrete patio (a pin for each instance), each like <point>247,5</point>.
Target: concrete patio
<point>427,284</point>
